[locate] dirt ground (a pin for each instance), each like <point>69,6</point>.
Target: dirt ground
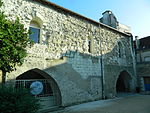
<point>128,104</point>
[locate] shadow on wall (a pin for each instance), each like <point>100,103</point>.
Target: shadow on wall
<point>118,62</point>
<point>78,77</point>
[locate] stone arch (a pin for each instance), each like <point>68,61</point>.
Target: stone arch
<point>38,20</point>
<point>50,95</point>
<point>124,82</point>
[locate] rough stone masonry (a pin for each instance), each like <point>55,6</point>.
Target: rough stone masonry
<point>83,56</point>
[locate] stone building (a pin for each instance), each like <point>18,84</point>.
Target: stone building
<point>74,59</point>
<point>142,47</point>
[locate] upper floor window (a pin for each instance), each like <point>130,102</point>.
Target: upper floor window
<point>147,59</point>
<point>35,31</point>
<point>120,50</point>
<point>89,46</point>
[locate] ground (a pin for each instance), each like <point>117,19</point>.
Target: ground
<point>127,104</point>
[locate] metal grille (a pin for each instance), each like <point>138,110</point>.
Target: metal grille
<point>47,89</point>
<point>49,95</point>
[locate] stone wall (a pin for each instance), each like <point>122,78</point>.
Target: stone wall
<point>114,65</point>
<point>63,51</point>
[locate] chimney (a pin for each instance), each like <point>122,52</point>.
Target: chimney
<point>137,42</point>
<point>109,19</point>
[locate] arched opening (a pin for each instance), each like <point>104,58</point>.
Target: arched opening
<point>123,82</point>
<point>42,86</point>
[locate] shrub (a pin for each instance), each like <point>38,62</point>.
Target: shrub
<point>17,101</point>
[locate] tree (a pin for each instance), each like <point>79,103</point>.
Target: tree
<point>14,38</point>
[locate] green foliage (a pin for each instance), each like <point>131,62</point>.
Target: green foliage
<point>17,101</point>
<point>13,41</point>
<point>1,3</point>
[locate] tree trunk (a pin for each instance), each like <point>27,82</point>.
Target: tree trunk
<point>3,77</point>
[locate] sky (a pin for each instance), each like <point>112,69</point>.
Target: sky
<point>133,13</point>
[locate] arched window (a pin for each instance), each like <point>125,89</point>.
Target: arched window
<point>89,46</point>
<point>120,50</point>
<point>35,31</point>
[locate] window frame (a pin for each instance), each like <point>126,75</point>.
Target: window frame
<point>36,26</point>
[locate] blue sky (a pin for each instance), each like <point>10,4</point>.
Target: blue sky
<point>133,13</point>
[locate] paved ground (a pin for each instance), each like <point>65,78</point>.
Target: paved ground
<point>128,104</point>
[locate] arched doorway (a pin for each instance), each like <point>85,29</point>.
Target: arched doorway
<point>42,86</point>
<point>123,82</point>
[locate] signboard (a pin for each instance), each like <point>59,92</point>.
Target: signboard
<point>36,87</point>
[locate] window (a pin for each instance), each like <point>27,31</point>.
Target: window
<point>147,59</point>
<point>120,50</point>
<point>35,31</point>
<point>89,46</point>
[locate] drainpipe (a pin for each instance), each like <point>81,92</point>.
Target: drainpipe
<point>101,62</point>
<point>102,77</point>
<point>137,42</point>
<point>134,57</point>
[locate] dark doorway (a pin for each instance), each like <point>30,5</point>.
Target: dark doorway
<point>120,86</point>
<point>123,82</point>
